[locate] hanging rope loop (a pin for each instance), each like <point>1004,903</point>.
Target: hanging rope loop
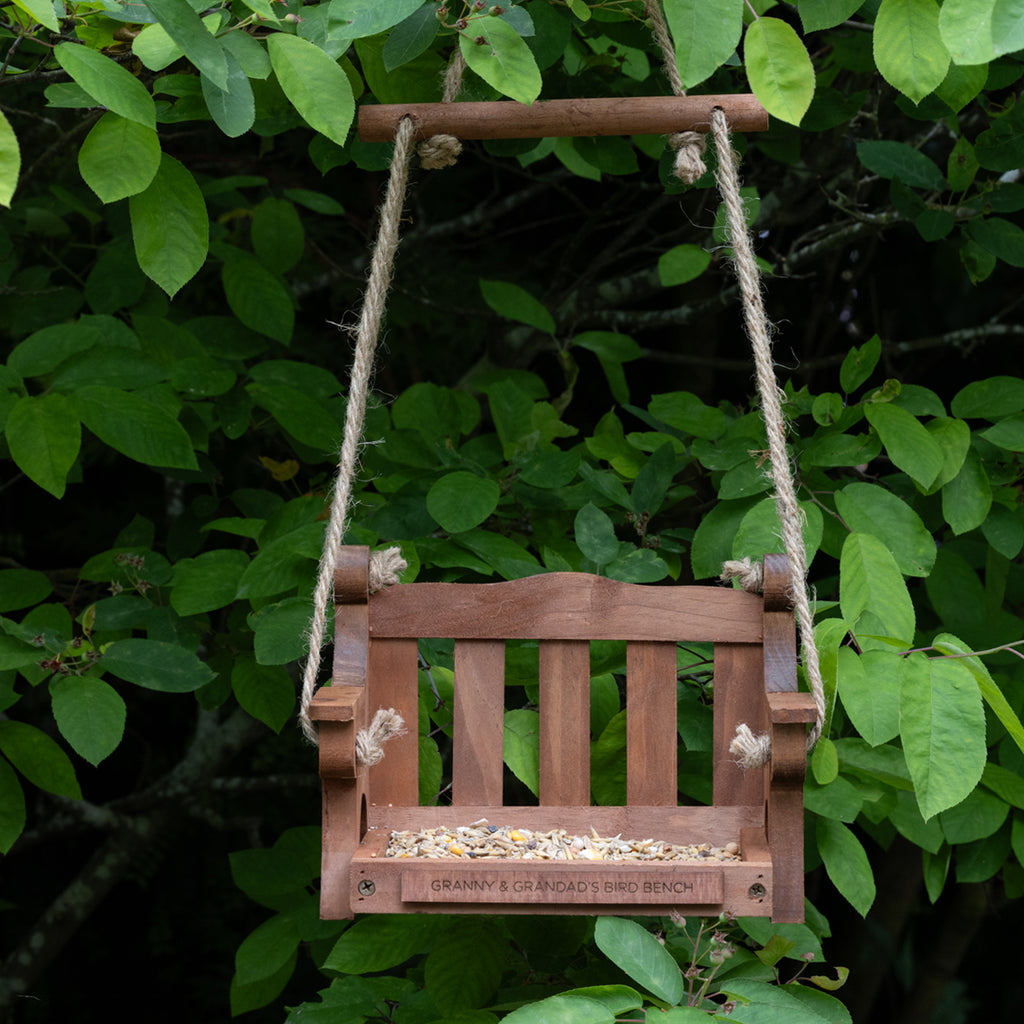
<point>790,513</point>
<point>367,331</point>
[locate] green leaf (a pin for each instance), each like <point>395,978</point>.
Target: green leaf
<point>1008,433</point>
<point>232,106</point>
<point>248,52</point>
<point>989,399</point>
<point>109,84</point>
<point>12,807</point>
<point>42,10</point>
<point>946,643</point>
<point>90,715</point>
<point>563,1009</point>
<point>954,439</point>
<point>258,297</point>
<point>497,53</point>
<point>303,417</point>
<point>522,747</point>
<point>900,160</point>
<point>207,582</point>
<point>431,770</point>
<point>461,500</point>
<point>315,84</point>
<point>186,28</point>
<point>908,47</point>
<point>280,630</point>
<point>871,585</point>
<point>760,531</point>
<point>846,863</point>
<point>170,226</point>
<point>859,364</point>
<point>20,588</point>
<point>155,48</point>
<point>640,565</point>
<point>515,303</point>
<point>266,950</point>
<point>825,762</point>
<point>265,691</point>
<point>779,69</point>
<point>10,161</point>
<point>44,436</point>
<point>38,758</point>
<point>1004,530</point>
<point>595,534</point>
<point>682,263</point>
<point>1008,26</point>
<point>908,443</point>
<point>1001,237</point>
<point>966,30</point>
<point>156,665</point>
<point>355,19</point>
<point>119,157</point>
<point>868,508</point>
<point>976,817</point>
<point>869,687</point>
<point>451,985</point>
<point>135,427</point>
<point>967,498</point>
<point>380,941</point>
<point>277,235</point>
<point>410,37</point>
<point>961,84</point>
<point>1001,147</point>
<point>818,14</point>
<point>637,953</point>
<point>686,412</point>
<point>705,33</point>
<point>940,711</point>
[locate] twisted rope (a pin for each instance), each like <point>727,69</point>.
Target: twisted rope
<point>749,749</point>
<point>367,331</point>
<point>689,146</point>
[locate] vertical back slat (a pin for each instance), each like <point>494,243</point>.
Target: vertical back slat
<point>739,697</point>
<point>565,722</point>
<point>393,669</point>
<point>479,722</point>
<point>651,724</point>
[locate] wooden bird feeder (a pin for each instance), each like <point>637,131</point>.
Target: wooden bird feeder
<point>376,665</point>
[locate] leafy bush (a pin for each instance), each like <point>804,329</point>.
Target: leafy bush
<point>170,398</point>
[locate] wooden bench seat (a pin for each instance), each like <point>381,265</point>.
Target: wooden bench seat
<point>376,665</point>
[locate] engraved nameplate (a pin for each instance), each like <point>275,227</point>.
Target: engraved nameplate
<point>440,885</point>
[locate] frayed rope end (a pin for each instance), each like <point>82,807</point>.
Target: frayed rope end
<point>750,751</point>
<point>369,742</point>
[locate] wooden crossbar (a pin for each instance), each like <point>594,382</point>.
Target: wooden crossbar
<point>507,119</point>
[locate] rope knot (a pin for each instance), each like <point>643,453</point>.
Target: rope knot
<point>751,751</point>
<point>370,741</point>
<point>689,147</point>
<point>439,151</point>
<point>385,567</point>
<point>750,574</point>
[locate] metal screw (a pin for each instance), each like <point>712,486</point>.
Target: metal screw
<point>367,888</point>
<point>755,892</point>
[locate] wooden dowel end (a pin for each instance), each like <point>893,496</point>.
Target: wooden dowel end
<point>507,119</point>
